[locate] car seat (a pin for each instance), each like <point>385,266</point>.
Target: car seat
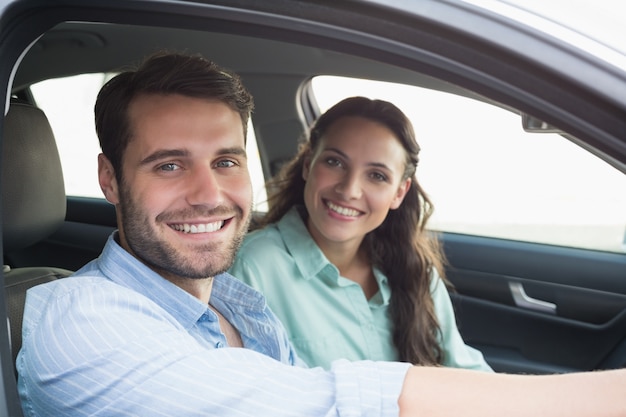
<point>33,204</point>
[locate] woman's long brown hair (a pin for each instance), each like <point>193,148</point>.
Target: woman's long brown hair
<point>400,247</point>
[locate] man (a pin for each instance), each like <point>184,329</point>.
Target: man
<point>155,327</point>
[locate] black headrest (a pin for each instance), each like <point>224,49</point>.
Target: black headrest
<point>33,193</point>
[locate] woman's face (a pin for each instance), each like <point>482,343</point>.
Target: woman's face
<point>353,179</point>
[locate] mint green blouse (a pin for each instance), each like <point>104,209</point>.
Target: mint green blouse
<point>327,316</point>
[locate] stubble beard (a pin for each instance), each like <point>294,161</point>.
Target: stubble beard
<point>199,262</point>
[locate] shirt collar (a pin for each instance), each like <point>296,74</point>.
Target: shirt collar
<point>124,269</point>
<point>308,257</point>
<point>384,294</point>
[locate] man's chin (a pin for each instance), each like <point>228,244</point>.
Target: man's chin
<point>218,264</point>
<point>188,273</point>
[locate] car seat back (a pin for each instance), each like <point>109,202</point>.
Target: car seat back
<point>33,203</point>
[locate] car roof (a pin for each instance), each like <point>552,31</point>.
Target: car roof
<point>434,44</point>
<point>596,21</point>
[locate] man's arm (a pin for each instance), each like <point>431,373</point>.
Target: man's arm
<point>98,349</point>
<point>447,392</point>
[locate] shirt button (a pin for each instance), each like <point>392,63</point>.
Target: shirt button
<point>219,345</point>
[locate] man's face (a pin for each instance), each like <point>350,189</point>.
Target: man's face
<point>185,199</point>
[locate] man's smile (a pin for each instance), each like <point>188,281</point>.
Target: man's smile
<point>198,228</point>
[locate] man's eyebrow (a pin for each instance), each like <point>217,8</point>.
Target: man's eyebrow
<point>235,150</point>
<point>164,154</point>
<point>178,153</point>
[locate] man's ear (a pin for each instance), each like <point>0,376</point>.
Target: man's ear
<point>107,180</point>
<point>404,188</point>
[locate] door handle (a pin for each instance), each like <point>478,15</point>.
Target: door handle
<point>522,300</point>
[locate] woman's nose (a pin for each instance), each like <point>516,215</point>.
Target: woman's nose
<point>349,187</point>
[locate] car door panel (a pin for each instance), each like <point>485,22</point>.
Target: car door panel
<point>564,327</point>
<point>88,224</point>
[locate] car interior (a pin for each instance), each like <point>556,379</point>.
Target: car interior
<point>33,208</point>
<point>528,305</point>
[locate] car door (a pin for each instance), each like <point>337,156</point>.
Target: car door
<point>454,42</point>
<point>534,308</point>
<point>535,293</point>
<point>88,224</point>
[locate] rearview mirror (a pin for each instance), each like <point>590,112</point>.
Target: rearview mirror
<point>532,124</point>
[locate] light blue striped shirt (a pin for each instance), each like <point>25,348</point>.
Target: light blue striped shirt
<point>116,339</point>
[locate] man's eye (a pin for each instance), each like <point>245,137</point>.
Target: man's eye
<point>226,163</point>
<point>169,167</point>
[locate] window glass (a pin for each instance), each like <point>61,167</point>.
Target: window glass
<point>68,104</point>
<point>488,177</point>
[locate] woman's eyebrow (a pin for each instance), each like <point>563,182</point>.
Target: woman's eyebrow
<point>372,164</point>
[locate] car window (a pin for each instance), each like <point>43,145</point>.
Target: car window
<point>488,177</point>
<point>68,103</point>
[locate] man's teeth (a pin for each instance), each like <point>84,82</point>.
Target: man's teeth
<point>343,210</point>
<point>198,228</point>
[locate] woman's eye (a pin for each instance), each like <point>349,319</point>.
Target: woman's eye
<point>333,162</point>
<point>379,177</point>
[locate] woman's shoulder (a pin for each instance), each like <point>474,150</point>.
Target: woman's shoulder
<point>260,256</point>
<point>261,248</point>
<point>276,235</point>
<point>259,238</point>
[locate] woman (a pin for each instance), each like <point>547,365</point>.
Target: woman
<point>343,257</point>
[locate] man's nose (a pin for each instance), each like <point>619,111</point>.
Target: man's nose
<point>203,187</point>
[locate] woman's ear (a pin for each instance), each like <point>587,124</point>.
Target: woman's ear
<point>404,188</point>
<point>107,180</point>
<point>306,166</point>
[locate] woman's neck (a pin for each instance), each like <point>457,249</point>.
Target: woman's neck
<point>354,264</point>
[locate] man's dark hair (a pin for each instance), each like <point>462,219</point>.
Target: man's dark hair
<point>163,73</point>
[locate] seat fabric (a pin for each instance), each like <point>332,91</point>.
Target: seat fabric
<point>33,203</point>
